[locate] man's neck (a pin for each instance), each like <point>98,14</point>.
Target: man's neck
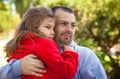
<point>59,45</point>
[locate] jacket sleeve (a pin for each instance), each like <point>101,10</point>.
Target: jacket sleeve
<point>64,65</point>
<point>11,70</point>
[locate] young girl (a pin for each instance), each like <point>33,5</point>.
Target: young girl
<point>34,36</point>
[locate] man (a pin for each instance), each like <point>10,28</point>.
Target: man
<point>89,66</point>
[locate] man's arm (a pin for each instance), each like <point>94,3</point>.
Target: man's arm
<point>89,65</point>
<point>6,71</point>
<point>28,65</point>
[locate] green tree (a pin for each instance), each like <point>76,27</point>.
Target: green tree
<point>100,21</point>
<point>21,5</point>
<point>7,20</point>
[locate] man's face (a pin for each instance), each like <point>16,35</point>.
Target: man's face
<point>65,27</point>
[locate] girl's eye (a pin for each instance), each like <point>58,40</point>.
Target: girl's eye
<point>47,27</point>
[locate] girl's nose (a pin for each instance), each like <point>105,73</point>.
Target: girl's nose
<point>52,33</point>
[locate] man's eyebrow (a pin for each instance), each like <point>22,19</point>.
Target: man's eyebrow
<point>73,23</point>
<point>66,21</point>
<point>62,21</point>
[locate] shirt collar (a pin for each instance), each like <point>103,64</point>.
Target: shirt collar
<point>72,44</point>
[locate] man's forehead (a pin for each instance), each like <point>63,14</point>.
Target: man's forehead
<point>65,16</point>
<point>66,21</point>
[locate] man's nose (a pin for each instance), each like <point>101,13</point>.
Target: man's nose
<point>69,28</point>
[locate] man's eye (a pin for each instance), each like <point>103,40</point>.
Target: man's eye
<point>63,23</point>
<point>73,25</point>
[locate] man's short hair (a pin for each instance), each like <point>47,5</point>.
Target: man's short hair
<point>66,9</point>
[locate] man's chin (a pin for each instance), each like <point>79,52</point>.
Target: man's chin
<point>67,42</point>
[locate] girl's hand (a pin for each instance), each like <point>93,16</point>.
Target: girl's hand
<point>68,48</point>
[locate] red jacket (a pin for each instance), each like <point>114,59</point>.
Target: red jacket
<point>58,66</point>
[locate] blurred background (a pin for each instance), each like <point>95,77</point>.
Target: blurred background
<point>97,27</point>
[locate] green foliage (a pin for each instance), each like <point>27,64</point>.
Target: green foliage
<point>7,21</point>
<point>3,6</point>
<point>100,21</point>
<point>51,3</point>
<point>22,6</point>
<point>87,43</point>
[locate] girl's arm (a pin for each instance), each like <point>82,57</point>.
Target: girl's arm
<point>64,65</point>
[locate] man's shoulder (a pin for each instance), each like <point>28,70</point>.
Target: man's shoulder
<point>84,51</point>
<point>82,48</point>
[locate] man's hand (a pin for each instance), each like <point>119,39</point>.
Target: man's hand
<point>32,66</point>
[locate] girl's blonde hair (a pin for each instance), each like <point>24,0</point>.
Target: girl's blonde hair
<point>29,23</point>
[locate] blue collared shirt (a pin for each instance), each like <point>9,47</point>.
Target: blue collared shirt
<point>89,66</point>
<point>11,70</point>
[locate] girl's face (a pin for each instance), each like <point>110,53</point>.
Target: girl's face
<point>46,27</point>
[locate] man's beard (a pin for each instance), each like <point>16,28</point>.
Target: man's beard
<point>63,41</point>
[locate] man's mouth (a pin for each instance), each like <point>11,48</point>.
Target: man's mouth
<point>66,35</point>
